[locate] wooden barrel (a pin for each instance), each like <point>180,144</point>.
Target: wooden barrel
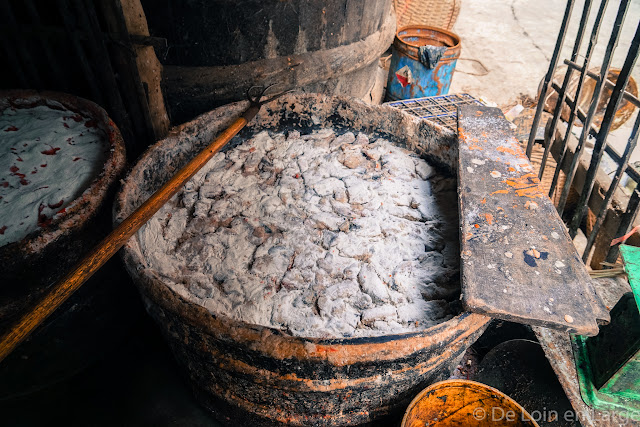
<point>74,335</point>
<point>264,375</point>
<point>218,49</point>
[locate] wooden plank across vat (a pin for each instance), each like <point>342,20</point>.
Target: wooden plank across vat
<point>518,262</point>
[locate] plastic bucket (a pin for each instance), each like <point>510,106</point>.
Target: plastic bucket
<point>465,403</point>
<point>423,61</point>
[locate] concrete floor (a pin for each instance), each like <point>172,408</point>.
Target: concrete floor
<point>137,383</point>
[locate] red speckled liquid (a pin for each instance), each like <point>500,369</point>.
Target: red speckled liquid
<point>48,157</point>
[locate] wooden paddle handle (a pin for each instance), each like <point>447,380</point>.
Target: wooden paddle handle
<point>99,255</point>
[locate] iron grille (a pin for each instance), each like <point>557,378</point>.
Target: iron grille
<point>569,156</point>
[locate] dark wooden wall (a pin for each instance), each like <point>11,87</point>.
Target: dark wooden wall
<point>80,47</point>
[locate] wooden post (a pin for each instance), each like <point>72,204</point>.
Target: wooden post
<point>149,66</point>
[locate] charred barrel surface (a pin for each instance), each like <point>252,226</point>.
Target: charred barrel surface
<point>217,49</point>
<point>264,373</point>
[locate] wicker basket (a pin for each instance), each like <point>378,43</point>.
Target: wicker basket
<point>549,169</point>
<point>434,13</point>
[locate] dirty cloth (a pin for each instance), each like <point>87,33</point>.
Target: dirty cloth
<point>430,55</point>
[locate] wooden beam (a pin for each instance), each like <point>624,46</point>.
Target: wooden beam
<point>518,261</point>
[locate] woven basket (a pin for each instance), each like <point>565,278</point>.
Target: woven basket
<point>549,169</point>
<point>434,13</point>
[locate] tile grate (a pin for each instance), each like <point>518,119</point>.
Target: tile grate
<point>441,110</point>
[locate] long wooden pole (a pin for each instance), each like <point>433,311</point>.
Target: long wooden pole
<point>115,240</point>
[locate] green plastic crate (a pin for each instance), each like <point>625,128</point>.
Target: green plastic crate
<point>609,364</point>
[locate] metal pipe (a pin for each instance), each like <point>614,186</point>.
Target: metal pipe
<point>613,42</point>
<point>633,174</point>
<point>580,114</point>
<point>631,145</point>
<point>549,75</point>
<point>603,133</point>
<point>562,93</point>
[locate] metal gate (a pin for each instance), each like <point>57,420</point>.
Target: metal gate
<point>569,153</point>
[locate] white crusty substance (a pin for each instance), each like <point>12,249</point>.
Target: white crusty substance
<point>48,157</point>
<point>318,235</point>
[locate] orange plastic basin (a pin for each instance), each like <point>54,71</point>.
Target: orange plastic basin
<point>464,403</point>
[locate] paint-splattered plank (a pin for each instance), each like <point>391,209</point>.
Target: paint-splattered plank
<point>518,262</point>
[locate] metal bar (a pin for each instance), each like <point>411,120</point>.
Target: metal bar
<point>159,43</point>
<point>565,140</point>
<point>562,93</point>
<point>613,42</point>
<point>634,174</point>
<point>90,77</point>
<point>625,224</point>
<point>593,39</point>
<point>605,127</point>
<point>549,75</point>
<point>631,145</point>
<point>608,83</point>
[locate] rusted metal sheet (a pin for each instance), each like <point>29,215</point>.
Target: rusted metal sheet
<point>518,262</point>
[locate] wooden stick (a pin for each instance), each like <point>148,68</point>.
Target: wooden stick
<point>115,240</point>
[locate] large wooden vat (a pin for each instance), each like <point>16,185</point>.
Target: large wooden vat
<point>217,49</point>
<point>263,374</point>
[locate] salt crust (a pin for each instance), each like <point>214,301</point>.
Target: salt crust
<point>48,158</point>
<point>318,235</point>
